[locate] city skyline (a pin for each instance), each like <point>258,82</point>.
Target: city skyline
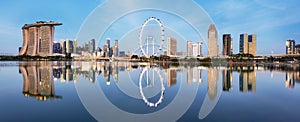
<point>284,23</point>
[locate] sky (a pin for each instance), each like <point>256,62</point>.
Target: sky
<point>274,21</point>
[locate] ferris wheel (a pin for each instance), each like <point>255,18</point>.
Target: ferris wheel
<point>155,53</point>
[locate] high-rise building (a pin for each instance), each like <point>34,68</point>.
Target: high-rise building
<point>297,49</point>
<point>213,48</point>
<point>227,45</point>
<point>189,48</point>
<point>197,49</point>
<point>248,44</point>
<point>38,38</point>
<point>92,46</point>
<point>69,46</point>
<point>108,46</point>
<point>200,48</point>
<point>116,48</point>
<point>290,47</point>
<point>57,48</point>
<point>172,46</point>
<point>75,42</point>
<point>105,50</point>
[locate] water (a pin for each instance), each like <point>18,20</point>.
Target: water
<point>120,91</point>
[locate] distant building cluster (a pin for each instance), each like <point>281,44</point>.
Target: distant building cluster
<point>292,47</point>
<point>69,47</point>
<point>247,45</point>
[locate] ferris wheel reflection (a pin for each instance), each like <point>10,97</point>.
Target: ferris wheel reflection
<point>146,72</point>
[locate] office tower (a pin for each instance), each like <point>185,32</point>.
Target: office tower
<point>116,49</point>
<point>108,46</point>
<point>69,46</point>
<point>213,48</point>
<point>172,77</point>
<point>200,48</point>
<point>172,46</point>
<point>248,81</point>
<point>197,49</point>
<point>57,48</point>
<point>189,48</point>
<point>290,47</point>
<point>105,50</point>
<point>297,49</point>
<point>227,80</point>
<point>38,38</point>
<point>227,45</point>
<point>248,44</point>
<point>92,46</point>
<point>75,43</point>
<point>63,48</point>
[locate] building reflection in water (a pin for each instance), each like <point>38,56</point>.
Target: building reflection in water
<point>39,77</point>
<point>38,81</point>
<point>172,77</point>
<point>227,80</point>
<point>291,79</point>
<point>212,78</point>
<point>247,79</point>
<point>193,75</point>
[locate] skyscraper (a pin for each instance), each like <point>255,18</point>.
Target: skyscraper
<point>116,49</point>
<point>189,48</point>
<point>290,47</point>
<point>200,48</point>
<point>248,44</point>
<point>213,48</point>
<point>197,49</point>
<point>172,46</point>
<point>297,49</point>
<point>227,45</point>
<point>108,46</point>
<point>75,42</point>
<point>57,48</point>
<point>92,46</point>
<point>69,46</point>
<point>38,38</point>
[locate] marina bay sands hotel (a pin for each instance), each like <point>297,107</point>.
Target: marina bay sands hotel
<point>38,38</point>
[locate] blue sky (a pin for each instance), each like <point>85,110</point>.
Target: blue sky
<point>274,21</point>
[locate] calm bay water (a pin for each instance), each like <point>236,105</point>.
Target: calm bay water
<point>122,91</point>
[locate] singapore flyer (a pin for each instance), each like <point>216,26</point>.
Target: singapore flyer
<point>145,53</point>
